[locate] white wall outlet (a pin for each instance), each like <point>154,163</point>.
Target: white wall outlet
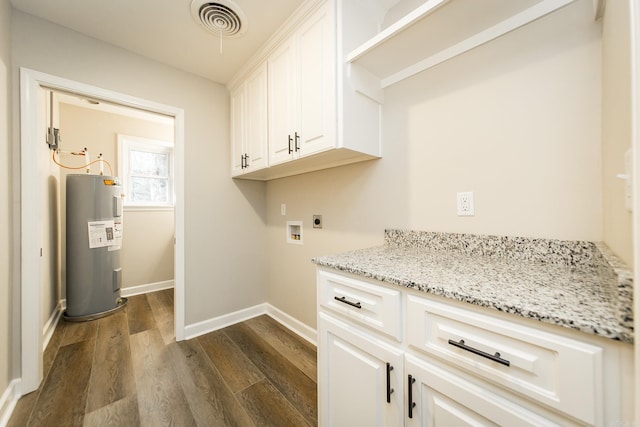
<point>465,204</point>
<point>283,209</point>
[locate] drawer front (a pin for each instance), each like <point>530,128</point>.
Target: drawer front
<point>562,373</point>
<point>371,305</point>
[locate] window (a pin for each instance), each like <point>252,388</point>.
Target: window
<point>146,171</point>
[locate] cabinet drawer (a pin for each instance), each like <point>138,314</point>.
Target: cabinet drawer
<point>375,306</point>
<point>562,373</point>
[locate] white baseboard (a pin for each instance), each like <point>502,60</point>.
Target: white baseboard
<point>8,401</point>
<point>210,325</point>
<point>50,326</point>
<point>293,324</point>
<point>144,289</point>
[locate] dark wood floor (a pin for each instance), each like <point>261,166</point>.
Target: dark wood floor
<point>127,370</point>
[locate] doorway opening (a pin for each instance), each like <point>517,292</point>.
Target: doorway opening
<point>33,84</point>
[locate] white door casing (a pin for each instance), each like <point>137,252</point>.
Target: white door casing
<point>30,228</point>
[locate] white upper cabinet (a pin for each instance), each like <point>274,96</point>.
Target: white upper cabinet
<point>249,124</point>
<point>314,120</point>
<point>282,102</point>
<point>316,89</point>
<point>302,109</point>
<point>238,131</point>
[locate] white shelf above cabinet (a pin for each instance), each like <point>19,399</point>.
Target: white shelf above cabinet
<point>439,30</point>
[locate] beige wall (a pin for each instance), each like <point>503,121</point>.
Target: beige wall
<point>616,125</point>
<point>147,249</point>
<point>6,230</point>
<point>516,121</point>
<point>224,219</point>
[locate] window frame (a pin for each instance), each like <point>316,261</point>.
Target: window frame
<point>128,143</point>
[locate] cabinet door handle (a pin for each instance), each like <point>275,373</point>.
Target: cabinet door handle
<point>346,301</point>
<point>412,404</point>
<point>495,357</point>
<point>290,141</point>
<point>389,389</point>
<point>297,141</point>
<point>242,161</point>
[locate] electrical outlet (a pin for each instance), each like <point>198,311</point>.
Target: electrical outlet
<point>283,209</point>
<point>317,221</point>
<point>465,204</point>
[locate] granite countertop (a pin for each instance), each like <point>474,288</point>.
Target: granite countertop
<point>575,284</point>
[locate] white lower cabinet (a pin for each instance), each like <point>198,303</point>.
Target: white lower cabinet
<point>361,377</point>
<point>392,359</point>
<point>562,373</point>
<point>438,397</point>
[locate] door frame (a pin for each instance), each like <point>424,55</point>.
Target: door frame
<point>634,12</point>
<point>31,335</point>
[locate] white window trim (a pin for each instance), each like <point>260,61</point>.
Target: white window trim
<point>128,142</point>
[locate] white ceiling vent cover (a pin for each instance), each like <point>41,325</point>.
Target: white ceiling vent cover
<point>222,18</point>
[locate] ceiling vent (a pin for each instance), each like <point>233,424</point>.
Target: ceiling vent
<point>222,18</point>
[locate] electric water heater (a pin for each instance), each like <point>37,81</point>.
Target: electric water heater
<point>94,238</point>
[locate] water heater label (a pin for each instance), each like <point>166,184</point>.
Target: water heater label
<point>117,235</point>
<point>101,234</point>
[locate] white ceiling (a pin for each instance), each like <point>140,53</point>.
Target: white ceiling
<point>165,31</point>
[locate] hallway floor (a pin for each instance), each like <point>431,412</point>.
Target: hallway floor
<point>127,370</point>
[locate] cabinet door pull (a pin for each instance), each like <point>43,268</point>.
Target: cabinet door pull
<point>495,357</point>
<point>389,389</point>
<point>242,166</point>
<point>346,301</point>
<point>297,141</point>
<point>412,404</point>
<point>290,141</point>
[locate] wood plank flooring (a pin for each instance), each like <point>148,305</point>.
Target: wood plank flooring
<point>127,370</point>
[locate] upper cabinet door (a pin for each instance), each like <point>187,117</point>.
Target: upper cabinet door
<point>316,124</point>
<point>256,113</point>
<point>282,103</point>
<point>249,143</point>
<point>238,130</point>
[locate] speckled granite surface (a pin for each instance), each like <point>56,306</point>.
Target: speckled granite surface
<point>576,284</point>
